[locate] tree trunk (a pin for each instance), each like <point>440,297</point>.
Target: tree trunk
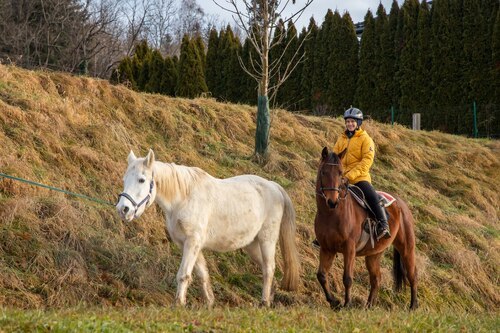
<point>263,125</point>
<point>263,117</point>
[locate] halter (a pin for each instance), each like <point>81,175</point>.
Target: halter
<point>336,189</point>
<point>143,201</point>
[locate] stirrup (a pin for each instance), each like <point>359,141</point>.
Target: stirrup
<point>383,233</point>
<point>315,244</point>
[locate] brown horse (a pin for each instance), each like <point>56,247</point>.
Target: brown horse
<point>338,228</point>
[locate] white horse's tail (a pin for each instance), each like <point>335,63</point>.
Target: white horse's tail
<point>288,248</point>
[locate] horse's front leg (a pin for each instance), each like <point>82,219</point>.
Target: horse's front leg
<point>349,257</point>
<point>201,270</point>
<point>268,250</point>
<point>190,253</point>
<point>325,263</point>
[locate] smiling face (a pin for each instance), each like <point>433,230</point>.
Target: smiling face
<point>138,187</point>
<point>351,124</point>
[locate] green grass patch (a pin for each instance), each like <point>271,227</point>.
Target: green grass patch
<point>250,319</point>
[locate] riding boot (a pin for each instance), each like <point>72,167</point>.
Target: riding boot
<point>382,225</point>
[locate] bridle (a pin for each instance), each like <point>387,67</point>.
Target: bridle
<point>143,201</point>
<point>343,186</point>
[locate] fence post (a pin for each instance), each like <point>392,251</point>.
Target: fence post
<point>475,119</point>
<point>416,121</point>
<point>392,115</point>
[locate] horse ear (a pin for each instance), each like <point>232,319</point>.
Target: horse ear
<point>324,153</point>
<point>131,157</point>
<point>342,153</point>
<point>148,162</point>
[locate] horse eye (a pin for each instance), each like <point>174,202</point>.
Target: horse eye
<point>142,180</point>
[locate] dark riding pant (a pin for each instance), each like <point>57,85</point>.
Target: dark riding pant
<point>371,198</point>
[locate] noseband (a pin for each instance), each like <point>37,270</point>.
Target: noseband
<point>336,189</point>
<point>142,202</point>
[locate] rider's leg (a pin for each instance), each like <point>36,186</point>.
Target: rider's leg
<point>373,201</point>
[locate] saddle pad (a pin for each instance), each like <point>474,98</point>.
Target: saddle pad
<point>387,198</point>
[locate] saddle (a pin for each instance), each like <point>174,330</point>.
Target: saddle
<point>369,225</point>
<point>385,199</point>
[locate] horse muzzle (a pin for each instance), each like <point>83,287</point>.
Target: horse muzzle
<point>126,213</point>
<point>332,204</point>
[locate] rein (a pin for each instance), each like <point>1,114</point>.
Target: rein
<point>142,202</point>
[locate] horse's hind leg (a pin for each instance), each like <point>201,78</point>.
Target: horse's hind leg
<point>411,275</point>
<point>373,266</point>
<point>325,263</point>
<point>201,270</point>
<point>253,250</point>
<point>268,251</point>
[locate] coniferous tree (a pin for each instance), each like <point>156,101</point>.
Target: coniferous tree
<point>296,98</point>
<point>350,61</point>
<point>275,60</point>
<point>424,64</point>
<point>447,67</point>
<point>169,77</point>
<point>495,45</point>
<point>490,9</point>
<point>249,85</point>
<point>308,70</point>
<point>212,66</point>
<point>156,63</point>
<point>124,74</point>
<point>365,92</point>
<point>288,95</point>
<point>321,81</point>
<point>233,70</point>
<point>335,74</point>
<point>144,73</point>
<point>342,64</point>
<point>383,79</point>
<point>394,26</point>
<point>409,57</point>
<point>191,81</point>
<point>224,59</point>
<point>140,64</point>
<point>200,51</point>
<point>477,34</point>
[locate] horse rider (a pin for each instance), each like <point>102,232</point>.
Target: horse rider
<point>357,162</point>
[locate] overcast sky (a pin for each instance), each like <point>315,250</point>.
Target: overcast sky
<point>356,8</point>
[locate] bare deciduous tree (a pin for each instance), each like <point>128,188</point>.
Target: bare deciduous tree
<point>160,23</point>
<point>259,19</point>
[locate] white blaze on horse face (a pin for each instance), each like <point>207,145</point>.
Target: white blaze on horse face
<point>136,184</point>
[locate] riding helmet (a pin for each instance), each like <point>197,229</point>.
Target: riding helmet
<point>354,113</point>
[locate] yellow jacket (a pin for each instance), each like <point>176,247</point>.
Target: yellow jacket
<point>359,155</point>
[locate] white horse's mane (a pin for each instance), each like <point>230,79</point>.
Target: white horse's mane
<point>174,180</point>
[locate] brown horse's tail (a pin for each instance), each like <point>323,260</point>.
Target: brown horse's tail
<point>288,248</point>
<point>398,271</point>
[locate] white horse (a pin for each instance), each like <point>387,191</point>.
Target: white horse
<point>203,212</point>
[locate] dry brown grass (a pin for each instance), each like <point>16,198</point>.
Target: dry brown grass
<point>75,133</point>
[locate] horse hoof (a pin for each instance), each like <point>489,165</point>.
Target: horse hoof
<point>265,304</point>
<point>335,305</point>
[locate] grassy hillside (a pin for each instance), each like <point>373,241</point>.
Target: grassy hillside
<point>75,133</point>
